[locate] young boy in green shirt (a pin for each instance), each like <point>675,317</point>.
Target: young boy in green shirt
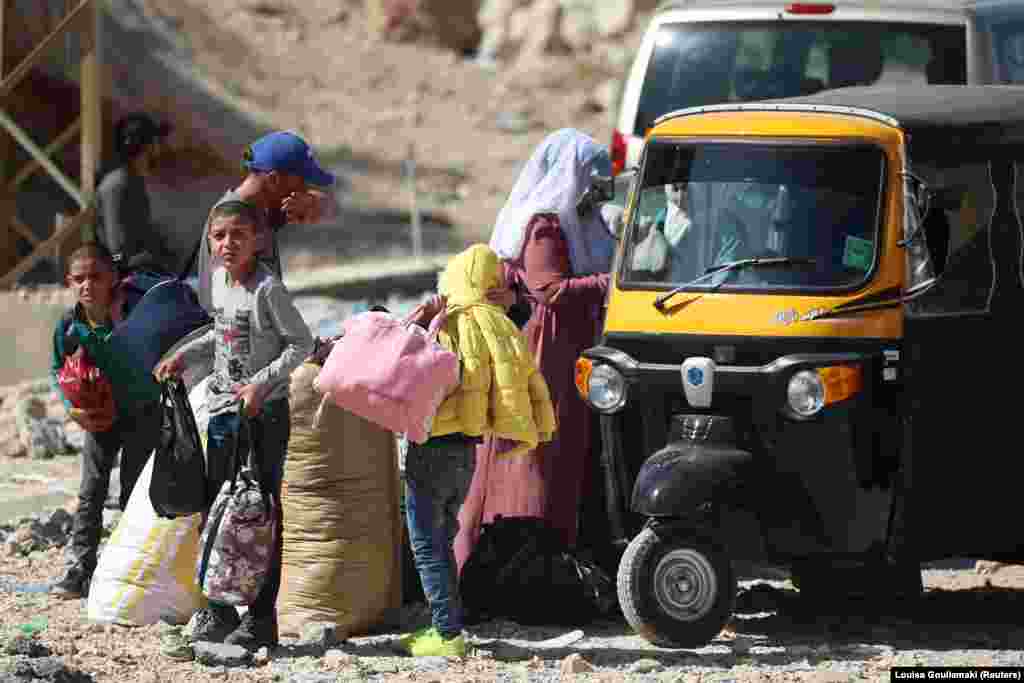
<point>134,430</point>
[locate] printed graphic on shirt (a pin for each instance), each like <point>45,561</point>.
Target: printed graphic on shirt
<point>233,349</point>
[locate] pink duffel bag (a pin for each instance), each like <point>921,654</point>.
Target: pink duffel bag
<point>391,372</point>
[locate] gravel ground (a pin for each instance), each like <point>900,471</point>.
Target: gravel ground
<point>965,619</point>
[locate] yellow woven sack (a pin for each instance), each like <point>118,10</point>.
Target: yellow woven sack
<point>342,528</point>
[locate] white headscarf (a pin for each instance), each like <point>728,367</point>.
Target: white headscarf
<point>553,180</point>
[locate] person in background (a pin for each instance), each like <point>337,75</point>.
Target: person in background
<point>561,260</point>
<point>501,394</point>
<point>135,431</point>
<point>125,226</point>
<point>281,174</point>
<point>258,339</point>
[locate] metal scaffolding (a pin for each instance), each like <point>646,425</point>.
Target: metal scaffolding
<point>56,23</point>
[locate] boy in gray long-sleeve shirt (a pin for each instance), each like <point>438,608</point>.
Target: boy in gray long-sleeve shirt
<point>258,339</point>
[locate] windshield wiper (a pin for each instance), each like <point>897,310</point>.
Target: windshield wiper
<point>660,302</point>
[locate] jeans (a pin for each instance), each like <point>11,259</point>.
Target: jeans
<point>136,436</point>
<point>271,430</point>
<point>437,477</point>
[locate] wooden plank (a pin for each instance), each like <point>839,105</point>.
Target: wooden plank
<point>23,230</point>
<point>92,124</point>
<point>32,148</point>
<point>70,243</point>
<point>46,248</point>
<point>50,150</point>
<point>11,81</point>
<point>91,92</point>
<point>3,35</point>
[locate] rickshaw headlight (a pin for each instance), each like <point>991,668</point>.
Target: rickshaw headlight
<point>811,390</point>
<point>806,393</point>
<point>606,388</point>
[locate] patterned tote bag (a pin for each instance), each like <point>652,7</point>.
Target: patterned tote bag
<point>237,544</point>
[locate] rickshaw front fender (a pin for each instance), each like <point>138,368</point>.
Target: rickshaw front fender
<point>684,475</point>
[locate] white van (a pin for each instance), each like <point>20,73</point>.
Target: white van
<point>701,52</point>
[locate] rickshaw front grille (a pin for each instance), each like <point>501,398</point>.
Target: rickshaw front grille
<point>746,351</point>
<point>700,427</point>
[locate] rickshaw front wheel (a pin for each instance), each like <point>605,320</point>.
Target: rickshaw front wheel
<point>675,591</point>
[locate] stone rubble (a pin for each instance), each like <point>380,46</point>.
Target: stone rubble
<point>221,654</point>
<point>528,40</point>
<point>34,424</point>
<point>46,531</point>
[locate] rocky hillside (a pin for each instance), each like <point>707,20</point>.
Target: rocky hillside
<point>467,90</point>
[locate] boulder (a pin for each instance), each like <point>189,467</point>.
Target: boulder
<point>42,436</point>
<point>577,27</point>
<point>51,669</point>
<point>575,664</point>
<point>612,19</point>
<point>323,635</point>
<point>448,23</point>
<point>542,36</point>
<point>221,654</point>
<point>495,21</point>
<point>452,23</point>
<point>604,98</point>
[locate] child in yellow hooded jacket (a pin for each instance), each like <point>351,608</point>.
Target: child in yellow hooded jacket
<point>501,393</point>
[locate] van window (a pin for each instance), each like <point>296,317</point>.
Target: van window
<point>703,206</point>
<point>713,63</point>
<point>1001,26</point>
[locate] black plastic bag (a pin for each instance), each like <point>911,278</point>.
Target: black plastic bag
<point>178,486</point>
<point>520,570</point>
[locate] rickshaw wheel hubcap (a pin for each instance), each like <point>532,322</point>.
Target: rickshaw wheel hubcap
<point>684,584</point>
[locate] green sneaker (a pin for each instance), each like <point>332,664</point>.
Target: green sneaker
<point>432,644</point>
<point>174,645</point>
<point>402,644</point>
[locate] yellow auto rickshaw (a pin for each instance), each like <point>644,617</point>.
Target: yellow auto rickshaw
<point>809,354</point>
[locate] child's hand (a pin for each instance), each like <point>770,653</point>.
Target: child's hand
<point>251,396</point>
<point>425,312</point>
<point>170,368</point>
<point>434,305</point>
<point>92,421</point>
<point>501,296</point>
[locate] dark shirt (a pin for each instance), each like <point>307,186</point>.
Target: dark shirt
<point>125,224</point>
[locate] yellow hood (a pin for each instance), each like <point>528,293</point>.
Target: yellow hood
<point>502,394</point>
<point>469,275</point>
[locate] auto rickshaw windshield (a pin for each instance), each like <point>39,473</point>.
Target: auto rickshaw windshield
<point>813,208</point>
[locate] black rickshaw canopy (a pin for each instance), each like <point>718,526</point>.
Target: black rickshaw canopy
<point>940,121</point>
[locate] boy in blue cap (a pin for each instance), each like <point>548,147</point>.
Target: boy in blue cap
<point>285,183</point>
<point>281,171</point>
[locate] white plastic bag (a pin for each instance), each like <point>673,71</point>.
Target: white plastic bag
<point>652,254</point>
<point>197,399</point>
<point>146,572</point>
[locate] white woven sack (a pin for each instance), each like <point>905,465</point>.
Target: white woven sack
<point>146,571</point>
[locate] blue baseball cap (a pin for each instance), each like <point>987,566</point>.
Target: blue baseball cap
<point>286,152</point>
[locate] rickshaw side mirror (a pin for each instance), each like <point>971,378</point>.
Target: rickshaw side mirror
<point>936,236</point>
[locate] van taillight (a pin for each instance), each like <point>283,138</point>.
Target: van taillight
<point>809,8</point>
<point>618,152</point>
